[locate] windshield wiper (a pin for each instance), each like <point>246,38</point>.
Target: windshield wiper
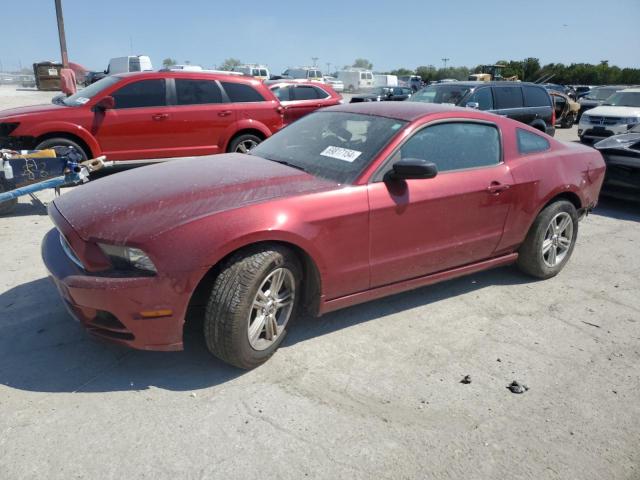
<point>284,162</point>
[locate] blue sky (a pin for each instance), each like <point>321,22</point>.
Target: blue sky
<point>281,33</point>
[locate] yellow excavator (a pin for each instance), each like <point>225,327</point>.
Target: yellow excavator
<point>490,73</point>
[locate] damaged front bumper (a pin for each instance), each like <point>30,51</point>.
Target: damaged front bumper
<point>113,308</point>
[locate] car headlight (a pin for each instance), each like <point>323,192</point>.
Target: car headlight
<point>128,258</point>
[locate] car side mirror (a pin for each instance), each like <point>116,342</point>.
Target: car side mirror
<point>105,103</point>
<point>413,168</point>
<point>474,105</point>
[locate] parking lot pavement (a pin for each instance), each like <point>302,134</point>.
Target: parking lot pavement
<point>372,391</point>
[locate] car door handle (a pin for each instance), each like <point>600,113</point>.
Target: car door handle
<point>497,187</point>
<point>160,116</point>
<point>225,113</point>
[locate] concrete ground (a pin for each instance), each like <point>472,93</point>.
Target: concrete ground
<point>372,391</point>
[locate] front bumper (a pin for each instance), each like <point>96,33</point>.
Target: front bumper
<point>588,131</point>
<point>18,143</point>
<point>109,307</point>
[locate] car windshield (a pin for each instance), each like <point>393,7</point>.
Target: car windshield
<point>624,99</point>
<point>336,146</point>
<point>440,94</point>
<point>599,93</point>
<point>87,93</point>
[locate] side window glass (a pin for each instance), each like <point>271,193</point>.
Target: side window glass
<point>304,92</point>
<point>241,93</point>
<point>320,93</point>
<point>483,97</point>
<point>508,97</point>
<point>282,93</point>
<point>530,142</point>
<point>194,92</point>
<point>455,145</point>
<point>535,96</point>
<point>145,93</point>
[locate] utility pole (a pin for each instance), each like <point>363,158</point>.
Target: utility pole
<point>63,40</point>
<point>328,68</point>
<point>315,61</point>
<point>445,60</point>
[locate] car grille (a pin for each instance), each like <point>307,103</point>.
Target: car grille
<point>603,120</point>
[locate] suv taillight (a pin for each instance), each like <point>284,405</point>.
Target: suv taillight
<point>553,115</point>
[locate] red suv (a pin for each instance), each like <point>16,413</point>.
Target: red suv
<point>151,115</point>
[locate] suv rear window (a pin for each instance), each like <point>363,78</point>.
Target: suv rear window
<point>535,97</point>
<point>192,92</point>
<point>508,97</point>
<point>145,93</point>
<point>241,93</point>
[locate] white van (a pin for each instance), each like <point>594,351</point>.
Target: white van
<point>304,73</point>
<point>261,72</point>
<point>356,79</point>
<point>137,63</point>
<point>185,68</point>
<point>385,80</point>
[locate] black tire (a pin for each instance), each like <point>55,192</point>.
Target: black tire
<point>229,309</point>
<point>62,142</point>
<point>8,206</point>
<point>245,139</point>
<point>568,121</point>
<point>530,259</point>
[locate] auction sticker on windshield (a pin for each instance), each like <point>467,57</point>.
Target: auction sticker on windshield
<point>340,153</point>
<point>82,100</point>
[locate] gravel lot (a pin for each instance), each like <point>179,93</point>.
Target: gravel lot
<point>369,392</point>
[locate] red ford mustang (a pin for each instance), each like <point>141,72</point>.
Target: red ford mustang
<point>348,204</point>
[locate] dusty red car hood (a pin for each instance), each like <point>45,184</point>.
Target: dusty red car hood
<point>147,201</point>
<point>45,108</point>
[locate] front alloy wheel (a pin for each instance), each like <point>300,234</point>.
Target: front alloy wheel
<point>252,303</point>
<point>271,309</point>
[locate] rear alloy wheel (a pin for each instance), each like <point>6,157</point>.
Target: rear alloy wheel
<point>252,302</point>
<point>244,143</point>
<point>551,240</point>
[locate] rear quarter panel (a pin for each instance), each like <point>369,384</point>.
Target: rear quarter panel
<point>566,167</point>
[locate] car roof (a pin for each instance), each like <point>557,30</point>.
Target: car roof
<point>190,74</point>
<point>472,83</point>
<point>407,111</point>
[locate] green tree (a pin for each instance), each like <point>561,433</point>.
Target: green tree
<point>169,62</point>
<point>363,63</point>
<point>401,72</point>
<point>230,63</point>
